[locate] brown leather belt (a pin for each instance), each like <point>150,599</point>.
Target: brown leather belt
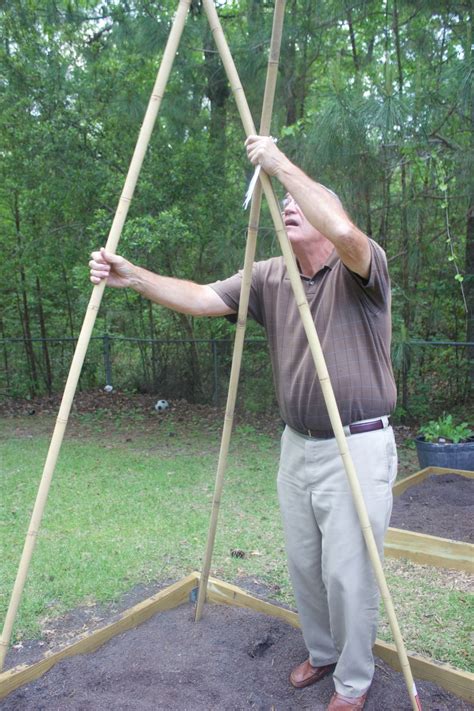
<point>355,428</point>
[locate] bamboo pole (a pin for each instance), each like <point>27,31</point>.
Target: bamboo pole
<point>317,354</point>
<point>89,320</point>
<point>252,232</point>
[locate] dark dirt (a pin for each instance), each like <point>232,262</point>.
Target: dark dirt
<point>442,505</point>
<point>232,659</point>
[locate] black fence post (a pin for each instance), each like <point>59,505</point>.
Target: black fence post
<point>107,361</point>
<point>215,360</point>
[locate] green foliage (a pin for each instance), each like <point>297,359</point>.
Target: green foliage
<point>376,105</point>
<point>445,429</point>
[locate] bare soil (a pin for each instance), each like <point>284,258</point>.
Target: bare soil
<point>233,659</point>
<point>442,505</point>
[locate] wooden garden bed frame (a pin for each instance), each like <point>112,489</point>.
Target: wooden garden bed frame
<point>184,591</point>
<point>425,549</point>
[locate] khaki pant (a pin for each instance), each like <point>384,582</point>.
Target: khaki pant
<point>335,589</point>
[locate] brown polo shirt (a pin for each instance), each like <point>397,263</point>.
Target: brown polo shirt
<point>353,322</point>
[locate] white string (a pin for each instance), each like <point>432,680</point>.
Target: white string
<point>253,182</point>
<point>251,187</point>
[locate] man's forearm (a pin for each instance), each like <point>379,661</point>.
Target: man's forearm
<point>178,294</point>
<point>325,212</point>
<point>321,207</point>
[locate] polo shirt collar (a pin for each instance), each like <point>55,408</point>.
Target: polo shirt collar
<point>330,262</point>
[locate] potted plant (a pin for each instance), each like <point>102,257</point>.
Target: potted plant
<point>442,443</point>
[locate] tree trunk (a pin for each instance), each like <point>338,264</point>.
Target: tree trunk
<point>469,262</point>
<point>469,286</point>
<point>217,91</point>
<point>295,70</point>
<point>5,357</point>
<point>355,56</point>
<point>44,342</point>
<point>195,380</point>
<point>148,383</point>
<point>407,304</point>
<point>70,313</point>
<point>25,314</point>
<point>154,351</point>
<point>407,310</point>
<point>383,232</point>
<point>368,211</point>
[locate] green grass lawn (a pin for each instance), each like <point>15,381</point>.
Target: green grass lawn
<point>130,503</point>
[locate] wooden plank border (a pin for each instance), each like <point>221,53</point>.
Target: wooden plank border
<point>454,680</point>
<point>429,550</point>
<point>420,476</point>
<point>457,681</point>
<point>228,594</point>
<point>425,549</point>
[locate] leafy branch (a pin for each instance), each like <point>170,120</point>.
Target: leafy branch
<point>443,186</point>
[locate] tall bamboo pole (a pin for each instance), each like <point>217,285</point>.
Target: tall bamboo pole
<point>317,354</point>
<point>252,232</point>
<point>89,320</point>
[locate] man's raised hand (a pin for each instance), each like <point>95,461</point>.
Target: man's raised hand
<point>261,150</point>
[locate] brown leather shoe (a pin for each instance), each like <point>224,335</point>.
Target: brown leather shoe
<point>344,703</point>
<point>305,674</point>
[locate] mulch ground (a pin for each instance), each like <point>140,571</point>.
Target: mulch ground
<point>116,405</point>
<point>442,505</point>
<point>233,659</point>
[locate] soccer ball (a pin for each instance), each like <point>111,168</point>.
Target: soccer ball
<point>108,388</point>
<point>162,405</point>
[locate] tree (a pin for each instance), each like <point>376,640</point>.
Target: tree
<point>375,100</point>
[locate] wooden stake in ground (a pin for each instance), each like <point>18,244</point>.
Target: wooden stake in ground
<point>267,110</point>
<point>89,320</point>
<point>317,354</point>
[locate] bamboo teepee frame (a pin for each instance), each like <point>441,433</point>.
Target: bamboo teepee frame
<point>305,314</point>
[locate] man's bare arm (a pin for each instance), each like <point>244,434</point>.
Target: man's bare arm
<point>178,294</point>
<point>323,209</point>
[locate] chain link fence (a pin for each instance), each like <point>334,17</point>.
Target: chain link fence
<point>195,370</point>
<point>430,375</point>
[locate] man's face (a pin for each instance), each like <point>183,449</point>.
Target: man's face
<point>298,228</point>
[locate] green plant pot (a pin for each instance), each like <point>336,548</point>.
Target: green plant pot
<point>449,456</point>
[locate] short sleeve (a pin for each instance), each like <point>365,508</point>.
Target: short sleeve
<point>376,289</point>
<point>229,291</point>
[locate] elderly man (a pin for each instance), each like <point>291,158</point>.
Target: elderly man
<point>346,281</point>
